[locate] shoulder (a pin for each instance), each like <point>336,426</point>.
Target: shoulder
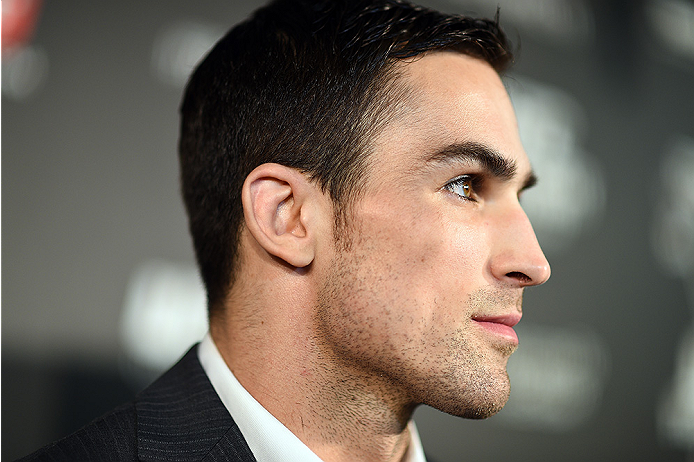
<point>179,416</point>
<point>110,437</point>
<point>117,435</point>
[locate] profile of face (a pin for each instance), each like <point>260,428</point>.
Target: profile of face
<point>423,299</point>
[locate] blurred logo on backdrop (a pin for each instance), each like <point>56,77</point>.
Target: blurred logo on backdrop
<point>24,65</point>
<point>19,19</point>
<point>164,314</point>
<point>178,47</point>
<point>558,377</point>
<point>569,199</point>
<point>673,245</point>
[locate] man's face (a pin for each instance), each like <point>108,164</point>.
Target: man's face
<point>441,249</point>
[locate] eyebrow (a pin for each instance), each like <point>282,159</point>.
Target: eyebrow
<point>490,159</point>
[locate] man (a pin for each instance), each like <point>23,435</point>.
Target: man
<point>352,173</point>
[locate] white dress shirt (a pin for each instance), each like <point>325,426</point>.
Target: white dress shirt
<point>267,437</point>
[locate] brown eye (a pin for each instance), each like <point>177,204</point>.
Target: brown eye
<point>462,186</point>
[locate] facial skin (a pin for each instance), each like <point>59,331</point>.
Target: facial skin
<point>340,339</point>
<point>429,256</point>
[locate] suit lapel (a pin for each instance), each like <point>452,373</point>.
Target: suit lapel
<point>180,417</point>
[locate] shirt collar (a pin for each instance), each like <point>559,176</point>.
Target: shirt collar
<point>267,437</point>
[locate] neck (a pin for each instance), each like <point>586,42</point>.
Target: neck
<point>339,411</point>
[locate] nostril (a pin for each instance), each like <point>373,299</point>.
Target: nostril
<point>521,277</point>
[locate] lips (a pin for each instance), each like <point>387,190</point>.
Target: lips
<point>500,325</point>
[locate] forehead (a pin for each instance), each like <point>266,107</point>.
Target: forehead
<point>453,98</point>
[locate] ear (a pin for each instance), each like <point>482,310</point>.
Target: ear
<point>280,207</point>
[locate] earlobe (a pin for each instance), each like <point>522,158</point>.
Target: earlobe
<point>277,210</point>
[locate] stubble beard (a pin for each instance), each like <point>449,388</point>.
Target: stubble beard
<point>473,384</point>
<point>465,378</point>
<point>477,384</point>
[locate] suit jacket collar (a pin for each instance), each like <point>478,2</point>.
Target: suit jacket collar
<point>180,417</point>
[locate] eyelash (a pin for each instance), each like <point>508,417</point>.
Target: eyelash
<point>469,183</point>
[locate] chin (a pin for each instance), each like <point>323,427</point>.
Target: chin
<point>478,410</point>
<point>481,411</point>
<point>478,399</point>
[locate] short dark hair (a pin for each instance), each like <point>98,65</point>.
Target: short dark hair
<point>306,84</point>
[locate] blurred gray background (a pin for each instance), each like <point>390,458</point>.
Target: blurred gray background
<point>95,245</point>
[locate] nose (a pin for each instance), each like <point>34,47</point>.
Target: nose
<point>517,258</point>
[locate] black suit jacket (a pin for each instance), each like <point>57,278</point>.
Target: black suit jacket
<point>179,418</point>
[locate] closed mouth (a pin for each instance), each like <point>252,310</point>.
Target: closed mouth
<point>510,319</point>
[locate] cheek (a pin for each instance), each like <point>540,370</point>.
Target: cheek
<point>418,257</point>
<point>358,310</point>
<point>468,248</point>
<point>374,299</point>
<point>454,259</point>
